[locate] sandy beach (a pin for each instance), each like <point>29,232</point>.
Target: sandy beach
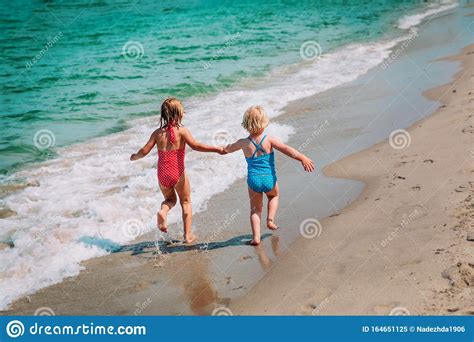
<point>404,243</point>
<point>385,225</point>
<point>407,243</point>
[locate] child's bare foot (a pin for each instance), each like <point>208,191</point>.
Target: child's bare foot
<point>271,225</point>
<point>190,238</point>
<point>162,221</point>
<point>255,242</point>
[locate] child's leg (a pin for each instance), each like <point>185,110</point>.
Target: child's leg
<point>166,205</point>
<point>256,206</point>
<point>272,196</point>
<point>184,193</point>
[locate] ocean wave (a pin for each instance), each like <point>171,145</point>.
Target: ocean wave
<point>433,11</point>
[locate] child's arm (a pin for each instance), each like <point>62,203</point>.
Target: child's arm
<point>307,163</point>
<point>233,147</point>
<point>197,146</point>
<point>145,149</point>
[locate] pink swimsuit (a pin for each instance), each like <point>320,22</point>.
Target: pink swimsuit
<point>170,163</point>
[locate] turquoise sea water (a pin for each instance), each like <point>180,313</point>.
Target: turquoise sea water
<point>83,69</point>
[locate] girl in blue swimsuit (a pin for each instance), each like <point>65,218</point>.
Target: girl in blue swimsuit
<point>261,175</point>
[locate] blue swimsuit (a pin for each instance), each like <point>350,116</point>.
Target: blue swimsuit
<point>261,175</point>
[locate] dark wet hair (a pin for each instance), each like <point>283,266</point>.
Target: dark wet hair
<point>172,111</point>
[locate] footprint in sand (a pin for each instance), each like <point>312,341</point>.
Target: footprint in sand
<point>460,275</point>
<point>395,176</point>
<point>469,129</point>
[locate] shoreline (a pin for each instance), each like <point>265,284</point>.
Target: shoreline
<point>208,280</point>
<point>417,273</point>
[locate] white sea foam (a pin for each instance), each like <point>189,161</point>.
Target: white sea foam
<point>92,189</point>
<point>432,11</point>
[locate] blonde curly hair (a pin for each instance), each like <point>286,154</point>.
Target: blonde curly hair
<point>255,119</point>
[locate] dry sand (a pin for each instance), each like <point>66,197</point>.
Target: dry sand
<point>406,244</point>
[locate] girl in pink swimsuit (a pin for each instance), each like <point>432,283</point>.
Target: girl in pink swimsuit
<point>171,139</point>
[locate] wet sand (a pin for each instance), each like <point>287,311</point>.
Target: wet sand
<point>406,245</point>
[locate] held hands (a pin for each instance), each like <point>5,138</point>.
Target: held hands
<point>308,164</point>
<point>222,151</point>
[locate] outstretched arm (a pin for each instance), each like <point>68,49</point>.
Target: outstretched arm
<point>233,147</point>
<point>145,149</point>
<point>307,163</point>
<point>197,146</point>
